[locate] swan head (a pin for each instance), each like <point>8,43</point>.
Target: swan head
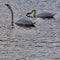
<point>8,6</point>
<point>31,14</point>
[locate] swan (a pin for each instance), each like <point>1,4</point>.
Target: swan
<point>25,21</point>
<point>41,15</point>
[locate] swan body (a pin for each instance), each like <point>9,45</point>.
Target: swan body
<point>25,22</point>
<point>45,15</point>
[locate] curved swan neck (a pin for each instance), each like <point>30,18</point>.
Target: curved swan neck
<point>32,12</point>
<point>12,14</point>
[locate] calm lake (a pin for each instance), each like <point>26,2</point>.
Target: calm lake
<point>36,43</point>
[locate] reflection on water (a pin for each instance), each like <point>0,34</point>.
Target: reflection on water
<point>36,43</point>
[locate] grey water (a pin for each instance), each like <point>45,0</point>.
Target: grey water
<point>39,43</point>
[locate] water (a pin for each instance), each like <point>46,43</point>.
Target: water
<point>40,43</point>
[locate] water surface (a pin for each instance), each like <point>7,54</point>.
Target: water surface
<point>40,43</point>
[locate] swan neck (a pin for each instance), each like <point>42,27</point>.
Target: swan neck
<point>34,15</point>
<point>33,12</point>
<point>12,15</point>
